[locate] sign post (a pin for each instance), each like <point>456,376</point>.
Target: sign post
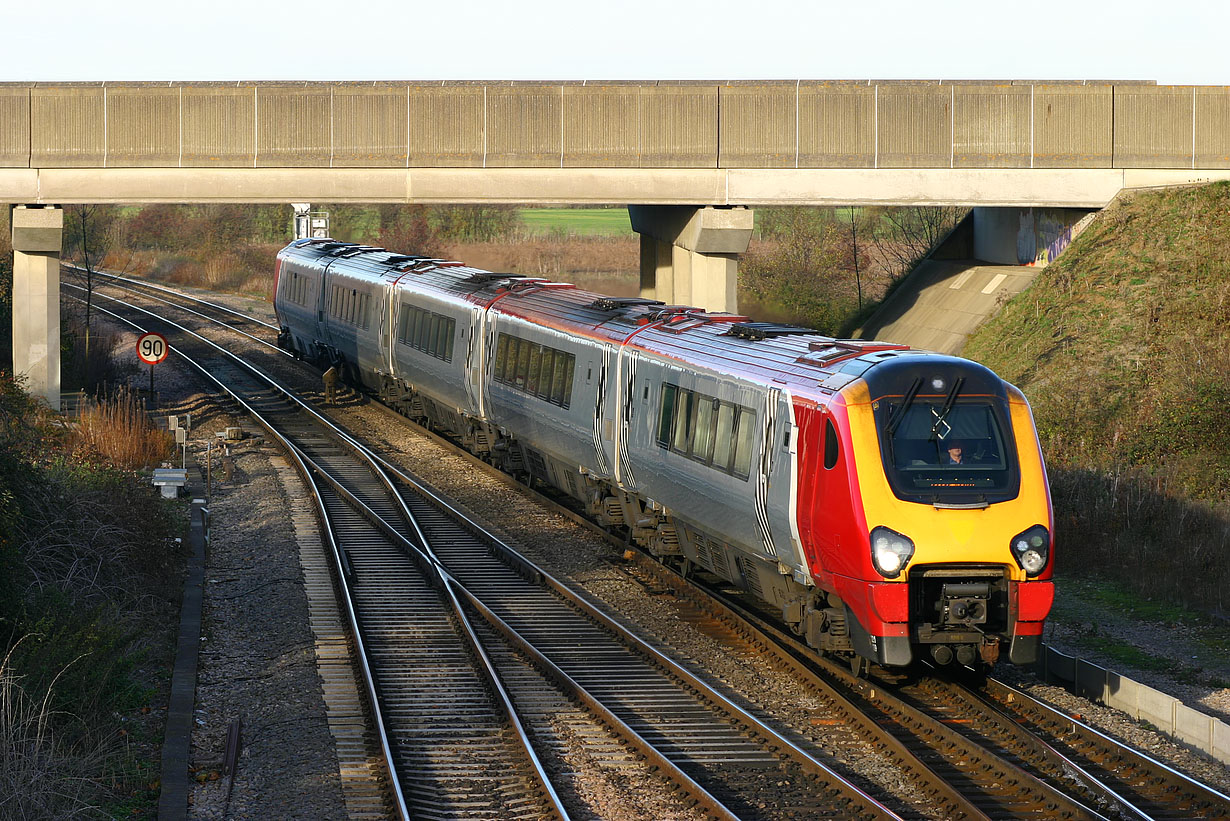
<point>152,348</point>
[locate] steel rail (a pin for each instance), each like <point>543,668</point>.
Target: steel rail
<point>301,466</point>
<point>791,749</point>
<point>1148,776</point>
<point>153,286</point>
<point>487,667</point>
<point>188,310</point>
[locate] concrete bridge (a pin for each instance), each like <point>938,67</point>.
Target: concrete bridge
<point>690,158</point>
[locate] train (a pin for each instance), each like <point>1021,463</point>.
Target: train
<point>890,505</point>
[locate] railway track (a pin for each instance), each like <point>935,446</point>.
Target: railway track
<point>728,761</point>
<point>985,751</point>
<point>984,726</point>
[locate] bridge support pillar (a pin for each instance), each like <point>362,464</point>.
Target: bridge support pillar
<point>38,234</point>
<point>690,254</point>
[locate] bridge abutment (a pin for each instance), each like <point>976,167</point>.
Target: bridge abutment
<point>1026,236</point>
<point>38,235</point>
<point>690,254</point>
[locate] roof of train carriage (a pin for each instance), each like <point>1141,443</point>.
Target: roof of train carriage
<point>800,358</point>
<point>795,357</point>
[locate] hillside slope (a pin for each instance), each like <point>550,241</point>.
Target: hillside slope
<point>1123,348</point>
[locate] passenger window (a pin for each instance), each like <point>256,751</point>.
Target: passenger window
<point>683,422</point>
<point>830,445</point>
<point>702,441</point>
<point>544,380</point>
<point>561,385</point>
<point>744,438</point>
<point>723,439</point>
<point>531,381</point>
<point>501,357</point>
<point>567,400</point>
<point>523,364</point>
<point>666,419</point>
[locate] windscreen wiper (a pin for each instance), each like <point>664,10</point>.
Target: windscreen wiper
<point>948,402</point>
<point>895,420</point>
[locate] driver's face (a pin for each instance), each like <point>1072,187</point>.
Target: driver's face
<point>954,452</point>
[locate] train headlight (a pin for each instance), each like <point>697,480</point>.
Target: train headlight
<point>1032,549</point>
<point>890,552</point>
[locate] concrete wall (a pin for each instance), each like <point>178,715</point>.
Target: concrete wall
<point>1025,236</point>
<point>792,124</point>
<point>1141,702</point>
<point>792,142</point>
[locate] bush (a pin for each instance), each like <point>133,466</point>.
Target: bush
<point>119,430</point>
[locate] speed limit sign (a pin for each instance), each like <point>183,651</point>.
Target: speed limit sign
<point>152,348</point>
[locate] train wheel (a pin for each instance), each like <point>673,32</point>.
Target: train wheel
<point>859,666</point>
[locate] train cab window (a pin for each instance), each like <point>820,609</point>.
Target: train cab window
<point>955,454</point>
<point>831,443</point>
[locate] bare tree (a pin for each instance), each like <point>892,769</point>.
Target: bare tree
<point>906,235</point>
<point>90,234</point>
<point>858,280</point>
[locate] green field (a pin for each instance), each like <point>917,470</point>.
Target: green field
<point>580,222</point>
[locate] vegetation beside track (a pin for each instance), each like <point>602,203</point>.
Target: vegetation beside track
<point>90,577</point>
<point>1123,347</point>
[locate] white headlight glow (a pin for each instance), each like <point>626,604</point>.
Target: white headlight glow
<point>890,551</point>
<point>1032,562</point>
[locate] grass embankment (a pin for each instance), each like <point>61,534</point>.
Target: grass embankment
<point>1123,347</point>
<point>89,585</point>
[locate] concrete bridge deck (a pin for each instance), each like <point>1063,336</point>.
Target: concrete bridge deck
<point>696,143</point>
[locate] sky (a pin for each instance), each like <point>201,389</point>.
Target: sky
<point>1178,42</point>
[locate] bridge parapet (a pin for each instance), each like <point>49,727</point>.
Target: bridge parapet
<point>792,124</point>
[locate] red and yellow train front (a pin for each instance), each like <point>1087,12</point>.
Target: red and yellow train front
<point>933,527</point>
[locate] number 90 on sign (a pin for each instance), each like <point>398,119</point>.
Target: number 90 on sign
<point>152,348</point>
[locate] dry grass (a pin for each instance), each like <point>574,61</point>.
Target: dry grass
<point>43,775</point>
<point>120,431</point>
<point>552,257</point>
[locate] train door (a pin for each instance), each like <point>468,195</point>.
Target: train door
<point>776,482</point>
<point>606,399</point>
<point>477,348</point>
<point>625,408</point>
<point>322,306</point>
